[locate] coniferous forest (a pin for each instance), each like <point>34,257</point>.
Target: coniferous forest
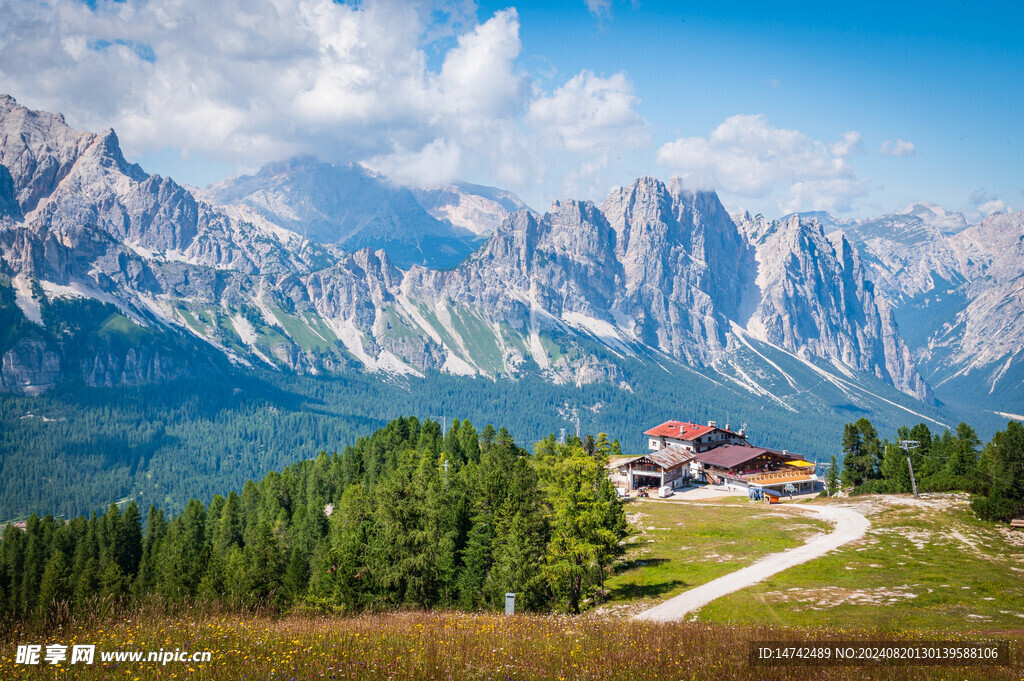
<point>951,461</point>
<point>407,517</point>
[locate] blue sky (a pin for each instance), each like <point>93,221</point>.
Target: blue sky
<point>856,108</point>
<point>945,76</point>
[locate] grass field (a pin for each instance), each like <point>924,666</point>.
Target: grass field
<point>925,571</point>
<point>450,646</point>
<point>680,545</point>
<point>924,564</point>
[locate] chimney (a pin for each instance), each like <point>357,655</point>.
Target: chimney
<point>713,424</point>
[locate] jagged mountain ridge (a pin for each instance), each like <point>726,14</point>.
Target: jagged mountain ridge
<point>347,206</point>
<point>956,290</point>
<point>814,294</point>
<point>656,273</point>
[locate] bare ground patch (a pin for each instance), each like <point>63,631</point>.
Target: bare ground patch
<point>824,598</point>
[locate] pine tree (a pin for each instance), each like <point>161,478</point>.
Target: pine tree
<point>229,526</point>
<point>350,533</point>
<point>183,554</point>
<point>149,564</point>
<point>572,552</point>
<point>113,585</point>
<point>296,576</point>
<point>832,479</point>
<point>55,586</point>
<point>894,469</point>
<point>862,453</point>
<point>12,569</point>
<point>265,563</point>
<point>963,460</point>
<point>1003,458</point>
<point>129,552</point>
<point>469,442</point>
<point>477,560</point>
<point>453,446</point>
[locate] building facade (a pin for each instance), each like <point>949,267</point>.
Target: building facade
<point>669,467</point>
<point>681,451</point>
<point>694,437</point>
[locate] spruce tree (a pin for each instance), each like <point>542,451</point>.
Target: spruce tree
<point>55,586</point>
<point>129,552</point>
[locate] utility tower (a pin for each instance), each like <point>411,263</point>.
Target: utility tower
<point>906,446</point>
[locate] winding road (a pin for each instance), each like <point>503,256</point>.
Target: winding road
<point>849,525</point>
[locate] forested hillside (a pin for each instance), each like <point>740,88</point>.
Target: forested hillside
<point>77,449</point>
<point>409,516</point>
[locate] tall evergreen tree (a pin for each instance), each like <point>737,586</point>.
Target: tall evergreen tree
<point>129,552</point>
<point>55,586</point>
<point>183,554</point>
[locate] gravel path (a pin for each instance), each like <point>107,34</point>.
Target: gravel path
<point>849,525</point>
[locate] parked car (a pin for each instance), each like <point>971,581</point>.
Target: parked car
<point>664,491</point>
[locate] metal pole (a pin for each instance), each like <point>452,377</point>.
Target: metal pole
<point>906,446</point>
<point>912,480</point>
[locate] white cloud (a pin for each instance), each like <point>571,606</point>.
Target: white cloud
<point>850,142</point>
<point>589,113</point>
<point>997,206</point>
<point>897,148</point>
<point>774,82</point>
<point>987,203</point>
<point>748,157</point>
<point>419,88</point>
<point>439,161</point>
<point>599,8</point>
<point>478,76</point>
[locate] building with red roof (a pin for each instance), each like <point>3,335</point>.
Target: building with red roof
<point>694,437</point>
<point>681,450</point>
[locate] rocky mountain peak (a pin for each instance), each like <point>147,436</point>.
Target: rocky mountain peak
<point>656,270</point>
<point>948,222</point>
<point>475,208</point>
<point>38,149</point>
<point>346,205</point>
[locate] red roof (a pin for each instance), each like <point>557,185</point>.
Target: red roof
<point>683,430</point>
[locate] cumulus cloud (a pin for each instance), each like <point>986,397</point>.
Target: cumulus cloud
<point>589,113</point>
<point>897,148</point>
<point>419,88</point>
<point>748,157</point>
<point>987,203</point>
<point>850,142</point>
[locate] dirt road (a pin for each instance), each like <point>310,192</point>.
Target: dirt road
<point>849,525</point>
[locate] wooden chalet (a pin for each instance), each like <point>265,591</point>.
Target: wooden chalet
<point>681,450</point>
<point>666,467</point>
<point>747,466</point>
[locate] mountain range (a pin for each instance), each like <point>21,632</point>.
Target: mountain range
<point>117,277</point>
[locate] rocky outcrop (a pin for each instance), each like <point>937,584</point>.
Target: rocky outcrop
<point>30,368</point>
<point>684,266</point>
